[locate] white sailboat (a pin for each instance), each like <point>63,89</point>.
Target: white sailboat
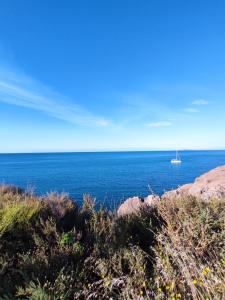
<point>176,160</point>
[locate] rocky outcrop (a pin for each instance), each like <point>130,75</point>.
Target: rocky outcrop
<point>207,186</point>
<point>135,204</point>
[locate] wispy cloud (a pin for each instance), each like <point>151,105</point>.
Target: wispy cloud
<point>191,110</point>
<point>194,106</point>
<point>200,102</point>
<point>159,124</point>
<point>102,122</point>
<point>21,90</point>
<point>136,109</point>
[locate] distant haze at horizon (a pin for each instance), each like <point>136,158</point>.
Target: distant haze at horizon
<point>111,75</point>
<point>113,150</point>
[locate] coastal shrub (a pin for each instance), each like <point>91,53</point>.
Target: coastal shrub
<point>190,249</point>
<point>10,189</point>
<point>67,238</point>
<point>10,194</point>
<point>64,210</point>
<point>52,249</point>
<point>139,229</point>
<point>17,216</point>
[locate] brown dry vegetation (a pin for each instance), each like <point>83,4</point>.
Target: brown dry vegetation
<point>52,249</point>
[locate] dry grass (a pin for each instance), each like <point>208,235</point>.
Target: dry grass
<point>51,249</point>
<point>190,250</point>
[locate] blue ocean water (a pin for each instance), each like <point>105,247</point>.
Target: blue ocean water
<point>109,176</point>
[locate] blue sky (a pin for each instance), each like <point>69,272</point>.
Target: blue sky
<point>112,75</point>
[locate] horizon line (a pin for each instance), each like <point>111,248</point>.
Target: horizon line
<point>110,151</point>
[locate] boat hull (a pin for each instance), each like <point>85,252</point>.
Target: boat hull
<point>175,161</point>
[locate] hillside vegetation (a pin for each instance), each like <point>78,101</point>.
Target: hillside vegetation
<point>52,249</point>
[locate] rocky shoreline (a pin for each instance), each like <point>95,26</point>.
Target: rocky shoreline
<point>53,248</point>
<point>207,186</point>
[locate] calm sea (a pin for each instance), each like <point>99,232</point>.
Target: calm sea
<point>110,176</point>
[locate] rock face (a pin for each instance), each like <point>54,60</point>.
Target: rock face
<point>135,204</point>
<point>207,186</point>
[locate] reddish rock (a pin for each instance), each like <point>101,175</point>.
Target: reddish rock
<point>207,186</point>
<point>135,204</point>
<point>181,191</point>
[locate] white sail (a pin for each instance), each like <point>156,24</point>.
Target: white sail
<point>176,160</point>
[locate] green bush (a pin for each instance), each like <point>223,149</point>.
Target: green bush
<point>67,238</point>
<point>17,216</point>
